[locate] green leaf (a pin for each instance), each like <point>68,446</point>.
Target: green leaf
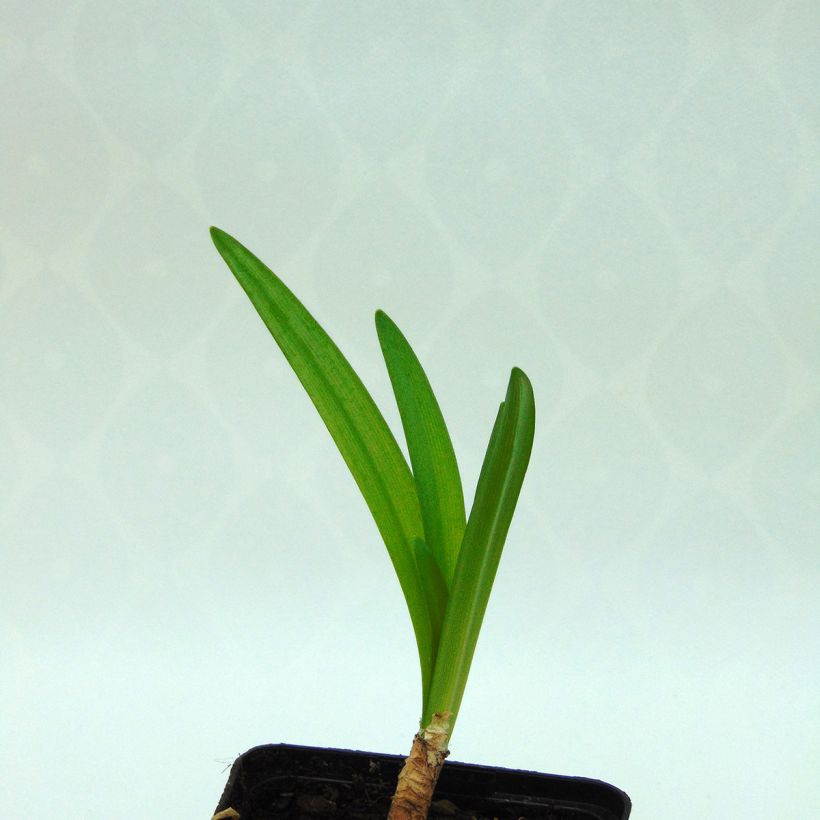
<point>435,593</point>
<point>438,484</point>
<point>499,485</point>
<point>354,422</point>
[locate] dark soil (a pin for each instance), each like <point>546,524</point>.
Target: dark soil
<point>299,783</point>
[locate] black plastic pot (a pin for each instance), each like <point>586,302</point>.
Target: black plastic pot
<point>282,781</point>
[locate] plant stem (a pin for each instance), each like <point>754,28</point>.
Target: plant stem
<point>417,780</point>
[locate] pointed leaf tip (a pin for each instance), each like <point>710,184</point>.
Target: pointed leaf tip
<point>222,241</point>
<point>519,375</point>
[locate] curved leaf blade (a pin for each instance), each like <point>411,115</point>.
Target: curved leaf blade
<point>499,485</point>
<point>435,469</point>
<point>353,420</point>
<point>435,593</point>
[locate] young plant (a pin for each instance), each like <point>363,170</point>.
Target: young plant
<point>445,562</point>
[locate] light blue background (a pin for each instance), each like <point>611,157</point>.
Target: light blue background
<point>621,198</point>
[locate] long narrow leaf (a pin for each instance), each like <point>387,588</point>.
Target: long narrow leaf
<point>499,485</point>
<point>355,423</point>
<point>435,592</point>
<point>438,484</point>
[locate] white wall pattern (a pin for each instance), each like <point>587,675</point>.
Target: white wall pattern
<point>621,198</point>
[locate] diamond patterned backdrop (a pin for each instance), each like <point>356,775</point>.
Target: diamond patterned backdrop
<point>621,198</point>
